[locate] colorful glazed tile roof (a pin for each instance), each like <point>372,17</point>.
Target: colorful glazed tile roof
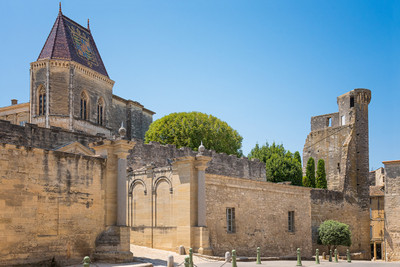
<point>70,41</point>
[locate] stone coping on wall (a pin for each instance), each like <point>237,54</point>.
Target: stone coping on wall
<point>221,163</point>
<point>31,135</point>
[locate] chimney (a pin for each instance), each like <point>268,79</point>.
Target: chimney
<point>14,101</point>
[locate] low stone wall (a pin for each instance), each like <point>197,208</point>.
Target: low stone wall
<point>51,206</point>
<point>221,163</point>
<point>31,135</point>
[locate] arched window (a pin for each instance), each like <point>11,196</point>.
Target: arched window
<point>41,100</point>
<point>84,106</point>
<point>100,112</point>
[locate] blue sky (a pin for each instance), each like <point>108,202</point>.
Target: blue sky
<point>265,67</point>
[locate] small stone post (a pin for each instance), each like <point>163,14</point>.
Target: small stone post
<point>86,261</point>
<point>181,250</point>
<point>170,261</point>
<point>324,255</point>
<point>190,257</point>
<point>317,256</point>
<point>330,255</point>
<point>258,256</point>
<point>234,258</point>
<point>336,255</point>
<point>298,258</point>
<point>187,261</point>
<point>348,256</point>
<point>228,257</point>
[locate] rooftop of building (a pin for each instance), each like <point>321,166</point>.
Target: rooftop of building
<point>70,41</point>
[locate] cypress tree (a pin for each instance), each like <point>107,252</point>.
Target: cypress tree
<point>310,173</point>
<point>321,175</point>
<point>297,156</point>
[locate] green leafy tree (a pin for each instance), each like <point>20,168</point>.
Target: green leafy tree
<point>305,181</point>
<point>333,234</point>
<point>280,165</point>
<point>188,129</point>
<point>310,173</point>
<point>297,156</point>
<point>320,181</point>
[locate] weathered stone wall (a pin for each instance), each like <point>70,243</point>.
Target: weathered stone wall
<point>164,219</point>
<point>392,210</point>
<point>118,111</point>
<point>96,89</point>
<point>325,121</point>
<point>329,144</point>
<point>221,163</point>
<point>135,117</point>
<point>335,205</point>
<point>261,217</point>
<point>345,149</point>
<point>59,91</point>
<point>33,136</point>
<point>16,113</point>
<point>51,205</point>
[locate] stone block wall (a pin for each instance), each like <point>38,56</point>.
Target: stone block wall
<point>335,205</point>
<point>51,205</point>
<point>261,217</point>
<point>221,163</point>
<point>135,117</point>
<point>325,121</point>
<point>31,135</point>
<point>392,210</point>
<point>329,144</point>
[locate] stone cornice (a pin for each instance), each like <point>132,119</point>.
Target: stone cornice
<point>79,67</point>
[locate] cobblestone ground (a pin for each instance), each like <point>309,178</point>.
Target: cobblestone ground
<point>144,257</point>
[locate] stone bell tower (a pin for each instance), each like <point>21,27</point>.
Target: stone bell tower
<point>69,85</point>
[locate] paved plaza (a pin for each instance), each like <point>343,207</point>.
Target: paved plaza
<point>147,257</point>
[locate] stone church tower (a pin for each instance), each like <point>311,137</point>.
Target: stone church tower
<point>70,87</point>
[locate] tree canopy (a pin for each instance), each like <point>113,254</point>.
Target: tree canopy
<point>333,234</point>
<point>310,173</point>
<point>320,180</point>
<point>280,165</point>
<point>189,129</point>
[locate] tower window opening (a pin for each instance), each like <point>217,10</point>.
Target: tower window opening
<point>42,101</point>
<point>351,101</point>
<point>329,122</point>
<point>84,106</point>
<point>100,112</point>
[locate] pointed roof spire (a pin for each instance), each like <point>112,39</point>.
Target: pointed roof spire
<point>88,26</point>
<point>59,9</point>
<point>70,41</point>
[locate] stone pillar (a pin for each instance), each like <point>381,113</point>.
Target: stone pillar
<point>32,95</point>
<point>201,165</point>
<point>116,182</point>
<point>47,122</point>
<point>116,200</point>
<point>71,97</point>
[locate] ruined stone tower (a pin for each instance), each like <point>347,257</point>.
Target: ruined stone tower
<point>341,139</point>
<point>70,87</point>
